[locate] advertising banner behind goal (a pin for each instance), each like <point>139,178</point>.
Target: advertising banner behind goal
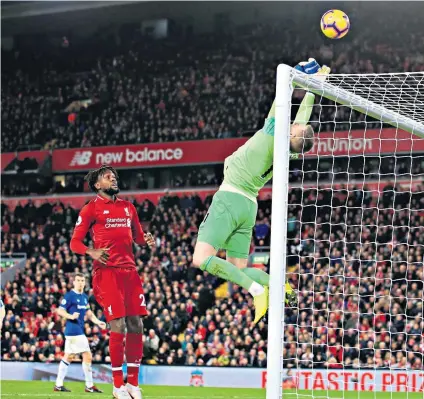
<point>234,377</point>
<point>146,155</point>
<point>365,142</point>
<point>343,143</point>
<point>340,143</point>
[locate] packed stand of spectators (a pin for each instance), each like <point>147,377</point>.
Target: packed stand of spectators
<point>185,88</point>
<point>355,259</point>
<point>22,185</point>
<point>360,282</point>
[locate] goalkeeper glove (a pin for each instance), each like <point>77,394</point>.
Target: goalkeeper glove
<point>311,67</point>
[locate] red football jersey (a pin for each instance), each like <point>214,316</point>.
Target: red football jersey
<point>112,224</point>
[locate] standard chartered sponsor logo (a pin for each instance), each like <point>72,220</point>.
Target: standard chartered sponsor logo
<point>112,223</point>
<point>142,156</point>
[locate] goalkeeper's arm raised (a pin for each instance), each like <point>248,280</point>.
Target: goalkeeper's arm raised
<point>301,134</point>
<point>305,110</point>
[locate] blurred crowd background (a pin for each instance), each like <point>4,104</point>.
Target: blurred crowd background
<point>354,256</point>
<point>187,86</point>
<point>360,284</point>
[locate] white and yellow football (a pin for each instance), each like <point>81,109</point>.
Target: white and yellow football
<point>335,24</point>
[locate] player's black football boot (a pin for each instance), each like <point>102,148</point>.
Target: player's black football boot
<point>93,389</point>
<point>61,389</point>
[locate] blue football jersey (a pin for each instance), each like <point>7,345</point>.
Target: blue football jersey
<point>74,302</point>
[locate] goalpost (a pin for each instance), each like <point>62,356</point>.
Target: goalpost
<point>357,270</point>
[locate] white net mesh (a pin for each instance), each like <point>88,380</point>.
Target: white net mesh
<point>356,242</point>
<point>399,92</point>
<point>396,99</point>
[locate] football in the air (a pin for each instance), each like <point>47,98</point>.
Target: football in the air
<point>335,24</point>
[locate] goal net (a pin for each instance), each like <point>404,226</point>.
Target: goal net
<point>351,213</point>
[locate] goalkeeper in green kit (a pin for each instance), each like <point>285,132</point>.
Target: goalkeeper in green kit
<point>231,217</point>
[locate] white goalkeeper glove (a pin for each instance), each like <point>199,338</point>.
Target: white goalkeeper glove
<point>311,67</point>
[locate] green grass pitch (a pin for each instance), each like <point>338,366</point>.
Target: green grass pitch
<point>44,390</point>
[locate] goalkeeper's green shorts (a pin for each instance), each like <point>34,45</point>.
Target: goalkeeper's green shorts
<point>229,223</point>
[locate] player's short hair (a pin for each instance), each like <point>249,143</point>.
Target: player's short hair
<point>305,143</point>
<point>78,274</point>
<point>92,176</point>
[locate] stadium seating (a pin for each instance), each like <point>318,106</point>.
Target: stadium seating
<point>361,293</point>
<point>209,86</point>
<point>188,324</point>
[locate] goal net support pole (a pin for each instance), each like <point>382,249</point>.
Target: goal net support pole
<point>278,252</point>
<point>384,109</point>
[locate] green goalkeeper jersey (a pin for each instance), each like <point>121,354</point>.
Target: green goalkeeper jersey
<point>250,167</point>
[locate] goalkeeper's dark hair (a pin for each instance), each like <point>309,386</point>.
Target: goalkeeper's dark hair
<point>305,143</point>
<point>93,176</point>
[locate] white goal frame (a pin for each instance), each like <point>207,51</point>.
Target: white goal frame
<point>286,78</point>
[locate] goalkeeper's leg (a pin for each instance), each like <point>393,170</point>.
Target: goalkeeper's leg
<point>204,258</point>
<point>218,225</point>
<point>262,278</point>
<point>218,229</point>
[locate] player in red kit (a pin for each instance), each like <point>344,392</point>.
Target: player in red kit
<point>114,226</point>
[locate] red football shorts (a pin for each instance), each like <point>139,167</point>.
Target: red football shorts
<point>119,292</point>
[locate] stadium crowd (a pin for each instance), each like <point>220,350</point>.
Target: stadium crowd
<point>182,88</point>
<point>360,282</point>
<point>358,268</point>
<point>22,185</point>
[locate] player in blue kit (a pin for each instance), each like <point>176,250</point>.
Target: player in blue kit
<point>74,307</point>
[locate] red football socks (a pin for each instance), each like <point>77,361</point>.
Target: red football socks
<point>116,349</point>
<point>134,354</point>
